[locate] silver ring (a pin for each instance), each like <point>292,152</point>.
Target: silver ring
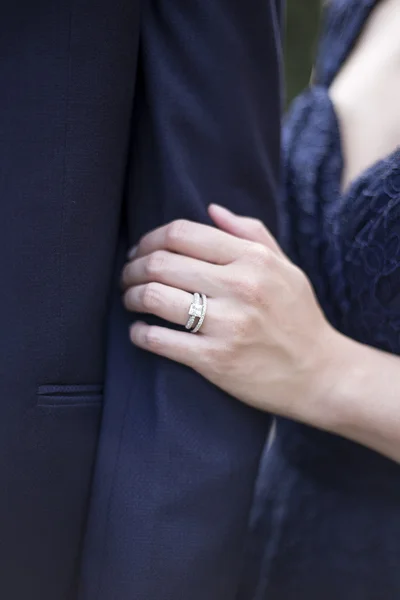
<point>194,311</point>
<point>198,311</point>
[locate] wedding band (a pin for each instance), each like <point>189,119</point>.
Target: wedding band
<point>202,316</point>
<point>198,311</point>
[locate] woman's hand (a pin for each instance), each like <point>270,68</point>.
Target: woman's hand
<point>264,338</point>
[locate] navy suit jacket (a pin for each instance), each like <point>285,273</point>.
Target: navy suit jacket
<point>117,116</point>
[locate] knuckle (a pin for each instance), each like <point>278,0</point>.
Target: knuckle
<point>176,232</point>
<point>126,276</point>
<point>261,255</point>
<point>155,264</point>
<point>258,227</point>
<point>151,298</point>
<point>213,358</point>
<point>229,277</point>
<point>152,339</point>
<point>220,359</point>
<point>250,288</point>
<point>240,326</point>
<point>128,299</point>
<point>302,282</point>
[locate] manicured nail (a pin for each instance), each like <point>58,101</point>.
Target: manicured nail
<point>132,253</point>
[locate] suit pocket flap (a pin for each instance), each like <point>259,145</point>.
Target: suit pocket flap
<point>69,395</point>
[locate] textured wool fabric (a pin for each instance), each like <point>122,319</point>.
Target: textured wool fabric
<point>177,458</point>
<point>116,117</point>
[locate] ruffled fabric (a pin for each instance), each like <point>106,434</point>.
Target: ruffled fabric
<point>347,243</point>
<point>328,510</point>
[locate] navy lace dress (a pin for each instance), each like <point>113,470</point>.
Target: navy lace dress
<point>328,510</point>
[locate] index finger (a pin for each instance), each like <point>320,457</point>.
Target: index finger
<point>194,240</point>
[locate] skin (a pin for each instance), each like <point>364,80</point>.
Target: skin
<point>265,339</point>
<point>366,93</point>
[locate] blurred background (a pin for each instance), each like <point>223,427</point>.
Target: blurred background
<point>301,37</point>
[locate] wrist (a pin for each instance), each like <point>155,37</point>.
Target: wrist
<point>336,380</point>
<point>354,394</point>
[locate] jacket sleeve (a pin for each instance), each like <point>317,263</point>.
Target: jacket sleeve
<point>205,129</point>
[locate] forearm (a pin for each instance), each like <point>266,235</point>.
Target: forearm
<point>361,399</point>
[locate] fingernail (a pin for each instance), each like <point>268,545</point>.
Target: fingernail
<point>132,253</point>
<point>221,208</point>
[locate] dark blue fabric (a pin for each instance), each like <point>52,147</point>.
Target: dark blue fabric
<point>66,79</point>
<point>178,459</point>
<point>82,158</point>
<point>328,510</point>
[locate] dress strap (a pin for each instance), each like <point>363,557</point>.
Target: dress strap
<point>342,24</point>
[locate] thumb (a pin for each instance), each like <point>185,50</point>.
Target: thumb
<point>243,227</point>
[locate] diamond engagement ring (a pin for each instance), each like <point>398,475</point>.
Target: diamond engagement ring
<point>194,311</point>
<point>198,311</point>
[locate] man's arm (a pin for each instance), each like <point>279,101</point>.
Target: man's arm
<point>178,458</point>
<point>208,118</point>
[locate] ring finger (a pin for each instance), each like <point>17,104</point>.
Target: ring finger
<point>165,302</point>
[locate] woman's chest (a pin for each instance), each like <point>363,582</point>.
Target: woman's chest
<point>349,243</point>
<point>366,93</point>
